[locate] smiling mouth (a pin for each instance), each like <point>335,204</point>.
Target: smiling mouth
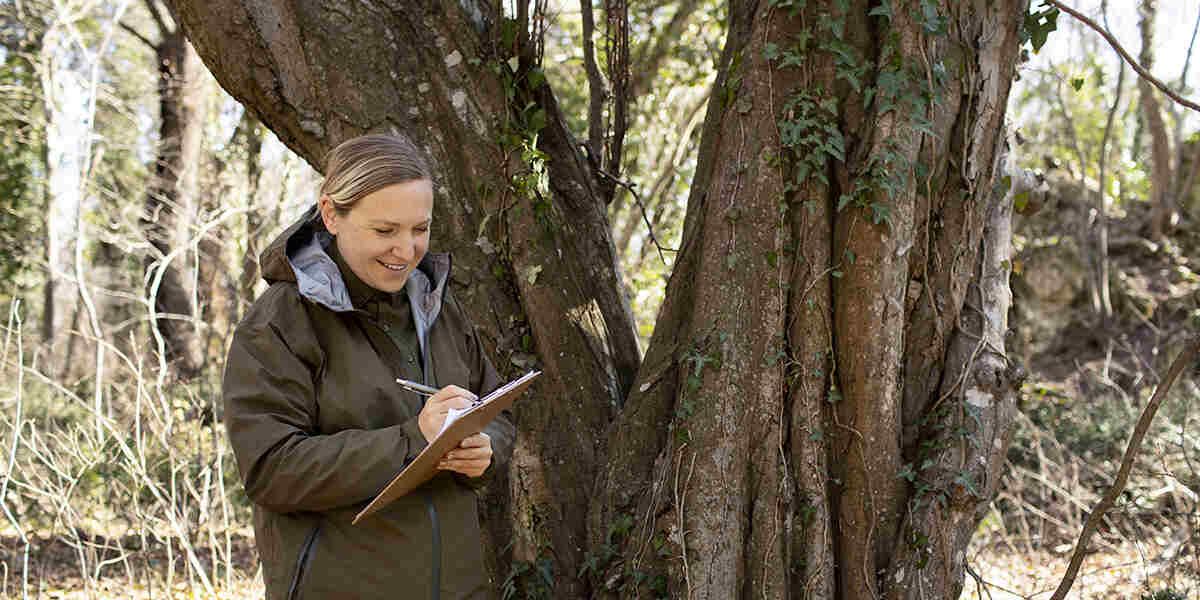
<point>394,268</point>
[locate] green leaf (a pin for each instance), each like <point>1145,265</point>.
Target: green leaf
<point>537,120</point>
<point>843,200</point>
<point>1020,201</point>
<point>883,10</point>
<point>1077,83</point>
<point>771,51</point>
<point>1039,24</point>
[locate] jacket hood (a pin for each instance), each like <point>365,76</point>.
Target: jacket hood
<point>298,255</point>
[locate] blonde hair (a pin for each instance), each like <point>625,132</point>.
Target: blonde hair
<point>368,163</point>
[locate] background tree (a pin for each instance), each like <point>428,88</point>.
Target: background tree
<point>171,198</point>
<point>1160,150</point>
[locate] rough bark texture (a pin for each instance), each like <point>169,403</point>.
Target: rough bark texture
<point>822,407</point>
<point>817,341</point>
<point>536,273</point>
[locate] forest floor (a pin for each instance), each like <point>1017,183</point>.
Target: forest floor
<point>1129,571</point>
<point>1004,572</point>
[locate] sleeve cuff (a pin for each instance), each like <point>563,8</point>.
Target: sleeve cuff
<point>416,439</point>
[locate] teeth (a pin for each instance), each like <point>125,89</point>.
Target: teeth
<point>394,267</point>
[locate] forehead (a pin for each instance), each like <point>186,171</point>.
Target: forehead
<point>410,202</point>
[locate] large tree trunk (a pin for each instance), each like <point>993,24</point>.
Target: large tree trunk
<point>823,408</point>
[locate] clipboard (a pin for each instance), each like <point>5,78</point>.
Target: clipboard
<point>424,466</point>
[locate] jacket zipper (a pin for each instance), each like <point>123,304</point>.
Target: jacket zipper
<point>437,547</point>
<point>303,560</point>
<point>435,526</point>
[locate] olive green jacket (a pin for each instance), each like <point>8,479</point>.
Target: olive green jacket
<point>319,426</point>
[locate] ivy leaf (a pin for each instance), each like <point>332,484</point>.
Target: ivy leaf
<point>771,51</point>
<point>531,272</point>
<point>1039,24</point>
<point>1020,201</point>
<point>883,10</point>
<point>485,245</point>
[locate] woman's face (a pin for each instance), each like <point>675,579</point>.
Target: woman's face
<point>386,234</point>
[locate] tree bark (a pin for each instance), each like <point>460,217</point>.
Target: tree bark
<point>802,339</point>
<point>823,407</point>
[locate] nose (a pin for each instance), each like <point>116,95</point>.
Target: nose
<point>404,250</point>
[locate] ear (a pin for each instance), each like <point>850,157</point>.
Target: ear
<point>328,214</point>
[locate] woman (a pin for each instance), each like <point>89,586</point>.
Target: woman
<point>313,410</point>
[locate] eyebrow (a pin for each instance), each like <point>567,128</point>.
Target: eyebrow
<point>375,222</point>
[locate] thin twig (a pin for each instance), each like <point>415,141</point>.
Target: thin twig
<point>1112,41</point>
<point>1184,360</point>
<point>638,199</point>
<point>14,324</point>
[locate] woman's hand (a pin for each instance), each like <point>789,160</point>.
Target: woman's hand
<point>471,457</point>
<point>433,414</point>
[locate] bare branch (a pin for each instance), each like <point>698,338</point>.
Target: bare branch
<point>649,227</point>
<point>1112,41</point>
<point>156,14</point>
<point>143,39</point>
<point>597,93</point>
<point>1181,362</point>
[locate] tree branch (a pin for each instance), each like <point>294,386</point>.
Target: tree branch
<point>139,36</point>
<point>617,15</point>
<point>164,30</point>
<point>596,91</point>
<point>1112,41</point>
<point>636,198</point>
<point>1184,360</point>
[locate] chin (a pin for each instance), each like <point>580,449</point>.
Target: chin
<point>390,285</point>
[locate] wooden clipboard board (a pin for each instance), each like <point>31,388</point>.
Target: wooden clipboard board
<point>424,466</point>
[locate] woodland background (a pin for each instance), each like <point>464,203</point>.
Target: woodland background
<point>135,194</point>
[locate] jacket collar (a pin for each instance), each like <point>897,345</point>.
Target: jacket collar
<point>300,255</point>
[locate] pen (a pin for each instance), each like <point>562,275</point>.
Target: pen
<point>418,388</point>
<point>424,390</point>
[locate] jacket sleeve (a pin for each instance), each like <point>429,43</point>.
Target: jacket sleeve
<point>271,420</point>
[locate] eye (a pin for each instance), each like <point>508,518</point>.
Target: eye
<point>423,228</point>
<point>383,230</point>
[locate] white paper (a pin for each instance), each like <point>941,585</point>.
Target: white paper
<point>452,415</point>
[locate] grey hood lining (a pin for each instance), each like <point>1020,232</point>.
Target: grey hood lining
<point>320,281</point>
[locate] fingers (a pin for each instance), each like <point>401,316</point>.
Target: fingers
<point>433,414</point>
<point>471,458</point>
<point>451,396</point>
<point>476,441</point>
